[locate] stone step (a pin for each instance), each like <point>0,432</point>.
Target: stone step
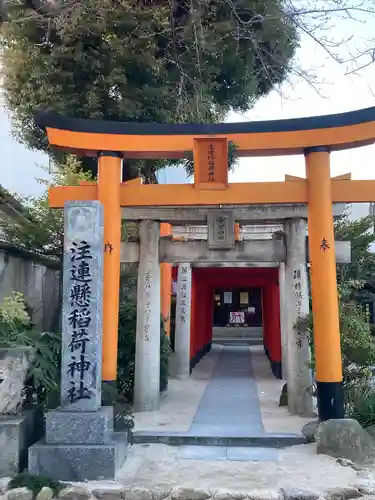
<point>186,439</point>
<point>236,332</point>
<point>239,341</point>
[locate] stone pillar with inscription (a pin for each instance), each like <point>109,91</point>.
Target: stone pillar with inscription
<point>80,443</point>
<point>181,361</point>
<point>299,377</point>
<point>147,350</point>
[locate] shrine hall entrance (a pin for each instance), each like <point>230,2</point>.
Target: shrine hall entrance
<point>237,307</point>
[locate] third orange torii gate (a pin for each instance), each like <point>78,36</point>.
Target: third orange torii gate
<point>314,137</point>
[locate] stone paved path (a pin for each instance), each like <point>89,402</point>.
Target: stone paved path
<point>231,387</point>
<point>231,453</point>
<point>230,404</point>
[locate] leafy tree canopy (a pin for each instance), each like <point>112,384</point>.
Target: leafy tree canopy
<point>143,60</point>
<point>361,235</point>
<point>42,229</point>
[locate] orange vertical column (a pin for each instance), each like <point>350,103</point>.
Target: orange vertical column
<point>109,179</point>
<point>166,283</point>
<point>323,285</point>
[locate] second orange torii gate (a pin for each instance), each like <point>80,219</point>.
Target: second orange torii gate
<point>314,137</point>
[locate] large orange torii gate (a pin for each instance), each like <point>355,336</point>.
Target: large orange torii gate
<point>314,137</point>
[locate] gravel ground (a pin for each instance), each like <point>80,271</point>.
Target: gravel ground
<point>159,466</point>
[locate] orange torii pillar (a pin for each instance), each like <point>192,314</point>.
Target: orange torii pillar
<point>109,180</point>
<point>166,283</point>
<point>324,285</point>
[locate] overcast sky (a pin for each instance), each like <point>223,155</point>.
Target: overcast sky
<point>338,92</point>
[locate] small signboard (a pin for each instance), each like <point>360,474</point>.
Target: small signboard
<point>211,163</point>
<point>236,318</point>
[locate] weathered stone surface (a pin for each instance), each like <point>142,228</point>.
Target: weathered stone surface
<point>345,493</point>
<point>81,360</point>
<point>344,462</point>
<point>138,493</point>
<point>297,303</point>
<point>115,493</point>
<point>81,462</point>
<point>365,487</point>
<point>189,494</point>
<point>181,354</point>
<point>299,494</point>
<point>309,430</point>
<point>147,358</point>
<point>229,495</point>
<point>265,495</point>
<point>19,494</point>
<point>14,364</point>
<point>160,494</point>
<point>220,230</point>
<point>345,438</point>
<point>4,482</point>
<point>371,431</point>
<point>365,474</point>
<point>75,493</point>
<point>17,433</point>
<point>45,493</point>
<point>80,427</point>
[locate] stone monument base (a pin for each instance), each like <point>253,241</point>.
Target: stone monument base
<point>79,462</point>
<point>17,433</point>
<point>79,446</point>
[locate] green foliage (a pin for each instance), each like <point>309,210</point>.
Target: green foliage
<point>123,413</point>
<point>126,351</point>
<point>357,347</point>
<point>131,60</point>
<point>358,352</point>
<point>361,235</point>
<point>13,313</point>
<point>42,230</point>
<point>34,483</point>
<point>43,379</point>
<point>363,407</point>
<point>165,351</point>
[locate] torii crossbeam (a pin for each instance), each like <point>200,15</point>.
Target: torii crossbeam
<point>314,137</point>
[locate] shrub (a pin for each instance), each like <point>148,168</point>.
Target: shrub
<point>165,351</point>
<point>13,312</point>
<point>123,413</point>
<point>43,379</point>
<point>34,483</point>
<point>126,351</point>
<point>357,347</point>
<point>363,408</point>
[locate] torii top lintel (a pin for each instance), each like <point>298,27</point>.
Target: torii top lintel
<point>261,138</point>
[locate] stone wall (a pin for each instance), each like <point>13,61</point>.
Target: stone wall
<point>34,276</point>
